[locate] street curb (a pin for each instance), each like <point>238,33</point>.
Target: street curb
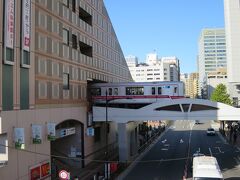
<point>222,138</point>
<point>133,164</point>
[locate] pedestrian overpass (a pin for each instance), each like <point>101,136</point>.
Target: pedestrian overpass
<point>128,113</point>
<point>168,109</point>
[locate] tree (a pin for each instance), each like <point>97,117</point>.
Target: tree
<point>220,95</point>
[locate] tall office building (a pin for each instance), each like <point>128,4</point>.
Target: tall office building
<point>232,19</point>
<point>50,50</point>
<point>191,84</point>
<point>164,69</point>
<point>211,55</point>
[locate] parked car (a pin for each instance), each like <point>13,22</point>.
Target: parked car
<point>211,132</point>
<point>197,122</point>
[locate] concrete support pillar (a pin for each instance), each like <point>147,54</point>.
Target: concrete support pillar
<point>123,142</point>
<point>127,140</point>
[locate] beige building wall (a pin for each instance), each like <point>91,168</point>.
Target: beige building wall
<point>191,84</point>
<point>89,51</point>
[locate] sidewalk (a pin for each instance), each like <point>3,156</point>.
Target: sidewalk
<point>230,137</point>
<point>91,169</point>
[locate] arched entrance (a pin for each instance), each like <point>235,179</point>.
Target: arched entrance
<point>67,149</point>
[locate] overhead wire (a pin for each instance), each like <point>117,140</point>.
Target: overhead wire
<point>110,161</point>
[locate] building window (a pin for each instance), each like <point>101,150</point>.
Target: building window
<point>74,41</point>
<point>74,5</point>
<point>66,81</point>
<point>25,58</point>
<point>42,89</point>
<point>85,49</point>
<point>65,3</point>
<point>85,16</point>
<point>9,57</point>
<point>65,36</point>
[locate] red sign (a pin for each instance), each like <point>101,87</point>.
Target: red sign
<point>40,171</point>
<point>113,167</point>
<point>35,173</point>
<point>9,23</point>
<point>45,170</point>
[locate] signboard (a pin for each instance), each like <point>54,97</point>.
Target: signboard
<point>35,173</point>
<point>67,132</point>
<point>113,167</point>
<point>90,131</point>
<point>26,24</point>
<point>19,138</point>
<point>9,23</point>
<point>40,171</point>
<point>89,119</point>
<point>37,134</point>
<point>45,169</point>
<point>64,174</point>
<point>51,131</point>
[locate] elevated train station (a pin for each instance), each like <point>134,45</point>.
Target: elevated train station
<point>128,110</point>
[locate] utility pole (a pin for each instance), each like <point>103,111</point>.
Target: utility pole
<point>106,137</point>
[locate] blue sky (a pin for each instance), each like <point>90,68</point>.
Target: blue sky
<point>171,27</point>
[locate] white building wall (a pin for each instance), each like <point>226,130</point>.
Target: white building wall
<point>232,19</point>
<point>151,58</point>
<point>165,69</point>
<point>211,55</point>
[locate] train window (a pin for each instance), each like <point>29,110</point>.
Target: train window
<point>115,91</point>
<point>134,91</point>
<point>159,90</point>
<point>175,89</point>
<point>96,91</point>
<point>153,91</point>
<point>110,91</point>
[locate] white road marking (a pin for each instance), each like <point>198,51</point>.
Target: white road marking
<point>164,149</point>
<point>210,151</point>
<point>166,145</point>
<point>181,141</point>
<point>219,149</point>
<point>164,141</point>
